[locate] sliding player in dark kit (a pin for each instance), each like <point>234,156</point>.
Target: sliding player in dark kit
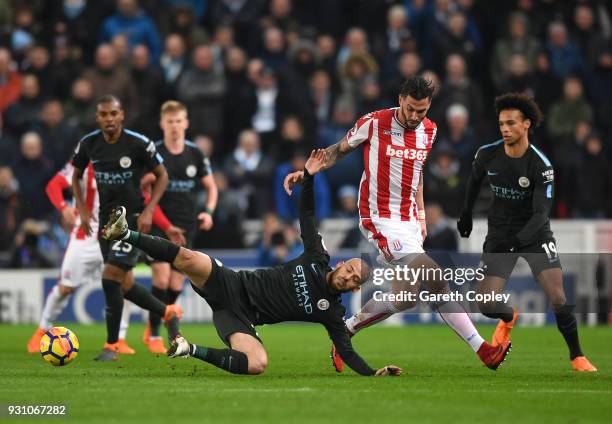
<point>304,289</point>
<point>521,179</point>
<point>120,157</point>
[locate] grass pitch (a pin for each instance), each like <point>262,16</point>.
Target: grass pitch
<point>443,380</point>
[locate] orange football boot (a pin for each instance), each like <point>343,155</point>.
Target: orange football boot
<point>146,336</point>
<point>34,343</point>
<point>124,348</point>
<point>581,363</point>
<point>503,330</point>
<point>156,345</point>
<point>111,346</point>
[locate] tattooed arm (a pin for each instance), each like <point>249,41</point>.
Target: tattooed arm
<point>332,154</point>
<point>337,151</point>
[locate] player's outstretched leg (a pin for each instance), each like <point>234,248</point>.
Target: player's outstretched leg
<point>374,312</point>
<point>117,229</point>
<point>195,265</point>
<point>55,303</point>
<point>455,316</point>
<point>246,356</point>
<point>452,313</point>
<point>229,360</point>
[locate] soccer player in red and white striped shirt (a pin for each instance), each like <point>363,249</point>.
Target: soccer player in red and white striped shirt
<point>396,144</point>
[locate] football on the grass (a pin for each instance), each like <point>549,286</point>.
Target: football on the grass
<point>59,346</point>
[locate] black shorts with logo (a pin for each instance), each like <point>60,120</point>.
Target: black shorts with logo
<point>225,293</point>
<point>540,256</point>
<point>119,252</point>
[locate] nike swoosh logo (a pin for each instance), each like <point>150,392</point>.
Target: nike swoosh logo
<point>95,161</point>
<point>491,173</point>
<point>120,254</point>
<point>315,269</point>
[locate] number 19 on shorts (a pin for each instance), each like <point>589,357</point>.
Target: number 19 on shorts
<point>551,251</point>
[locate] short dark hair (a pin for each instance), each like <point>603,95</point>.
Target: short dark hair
<point>109,98</point>
<point>521,102</point>
<point>417,87</point>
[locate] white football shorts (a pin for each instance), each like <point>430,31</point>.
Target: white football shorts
<point>393,239</point>
<point>82,263</point>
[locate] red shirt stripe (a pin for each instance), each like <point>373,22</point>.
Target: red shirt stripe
<point>383,176</point>
<point>406,204</point>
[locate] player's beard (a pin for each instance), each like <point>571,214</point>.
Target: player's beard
<point>407,123</point>
<point>332,281</point>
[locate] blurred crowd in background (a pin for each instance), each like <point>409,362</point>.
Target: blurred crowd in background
<point>267,81</point>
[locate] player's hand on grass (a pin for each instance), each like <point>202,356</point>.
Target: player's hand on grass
<point>464,224</point>
<point>145,219</point>
<point>316,161</point>
<point>206,221</point>
<point>86,221</point>
<point>69,217</point>
<point>176,235</point>
<point>292,179</point>
<point>389,370</point>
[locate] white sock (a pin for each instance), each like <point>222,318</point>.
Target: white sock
<point>373,312</point>
<point>362,320</point>
<point>125,319</point>
<point>456,318</point>
<point>54,305</point>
